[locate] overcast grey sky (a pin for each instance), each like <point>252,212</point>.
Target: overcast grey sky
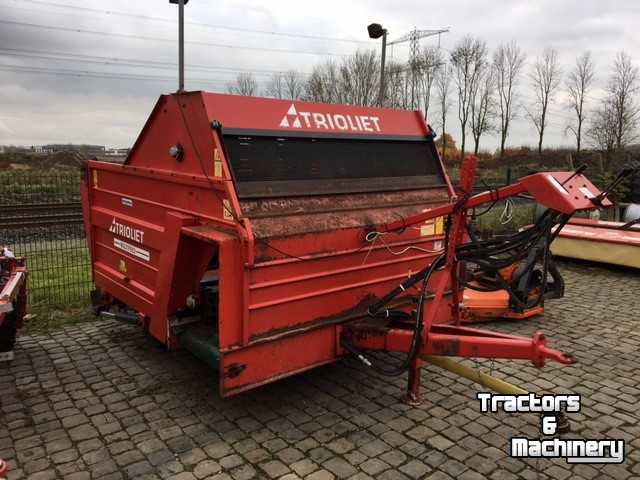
<point>38,107</point>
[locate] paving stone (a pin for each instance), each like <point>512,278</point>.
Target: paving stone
<point>97,399</point>
<point>46,475</point>
<point>394,457</point>
<point>374,448</point>
<point>160,457</point>
<point>104,467</point>
<point>83,432</point>
<point>231,461</point>
<point>217,450</point>
<point>257,456</point>
<point>206,468</point>
<point>244,472</point>
<point>392,475</point>
<point>192,457</point>
<point>289,455</point>
<point>127,458</point>
<point>415,469</point>
<point>65,456</point>
<point>373,466</point>
<point>58,445</point>
<point>274,468</point>
<point>320,475</point>
<point>182,476</point>
<point>151,445</point>
<point>340,467</point>
<point>304,467</point>
<point>35,466</point>
<point>441,443</point>
<point>78,476</point>
<point>138,468</point>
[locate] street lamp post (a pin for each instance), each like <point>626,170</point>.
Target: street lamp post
<point>181,4</point>
<point>376,31</point>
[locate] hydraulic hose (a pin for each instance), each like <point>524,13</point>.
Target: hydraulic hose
<point>414,350</point>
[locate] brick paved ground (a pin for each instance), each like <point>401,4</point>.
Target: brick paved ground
<point>101,401</point>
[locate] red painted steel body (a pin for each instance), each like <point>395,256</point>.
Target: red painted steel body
<point>294,270</point>
<point>13,288</point>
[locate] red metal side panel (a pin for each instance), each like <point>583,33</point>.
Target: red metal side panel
<point>267,362</point>
<point>138,253</point>
<point>296,305</point>
<point>251,113</point>
<point>269,359</point>
<point>283,295</point>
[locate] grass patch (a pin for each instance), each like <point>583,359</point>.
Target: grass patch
<point>47,319</point>
<point>23,187</point>
<point>59,283</point>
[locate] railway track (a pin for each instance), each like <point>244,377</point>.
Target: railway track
<point>35,209</point>
<point>39,215</point>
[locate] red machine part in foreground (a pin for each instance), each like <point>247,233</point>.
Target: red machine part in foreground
<point>262,234</point>
<point>13,300</point>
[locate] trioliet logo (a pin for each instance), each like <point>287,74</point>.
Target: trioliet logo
<point>126,231</point>
<point>329,121</point>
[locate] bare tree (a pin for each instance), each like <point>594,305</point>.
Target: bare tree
<point>244,84</point>
<point>443,96</point>
<point>602,128</point>
<point>545,79</point>
<point>482,106</point>
<point>397,86</point>
<point>621,91</point>
<point>579,83</point>
<point>508,61</point>
<point>275,87</point>
<point>430,62</point>
<point>355,81</point>
<point>322,84</point>
<point>467,59</point>
<point>359,79</point>
<point>286,85</point>
<point>293,85</point>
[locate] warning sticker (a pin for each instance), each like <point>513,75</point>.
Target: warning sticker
<point>227,213</point>
<point>428,229</point>
<point>432,227</point>
<point>132,249</point>
<point>217,163</point>
<point>586,192</point>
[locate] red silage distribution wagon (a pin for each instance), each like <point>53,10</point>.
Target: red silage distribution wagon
<point>265,236</point>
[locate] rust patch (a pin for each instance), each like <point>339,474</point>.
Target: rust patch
<point>233,370</point>
<point>353,314</point>
<point>449,348</point>
<point>282,217</point>
<point>358,311</point>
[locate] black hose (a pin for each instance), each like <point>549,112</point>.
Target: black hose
<point>489,255</point>
<point>414,350</point>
